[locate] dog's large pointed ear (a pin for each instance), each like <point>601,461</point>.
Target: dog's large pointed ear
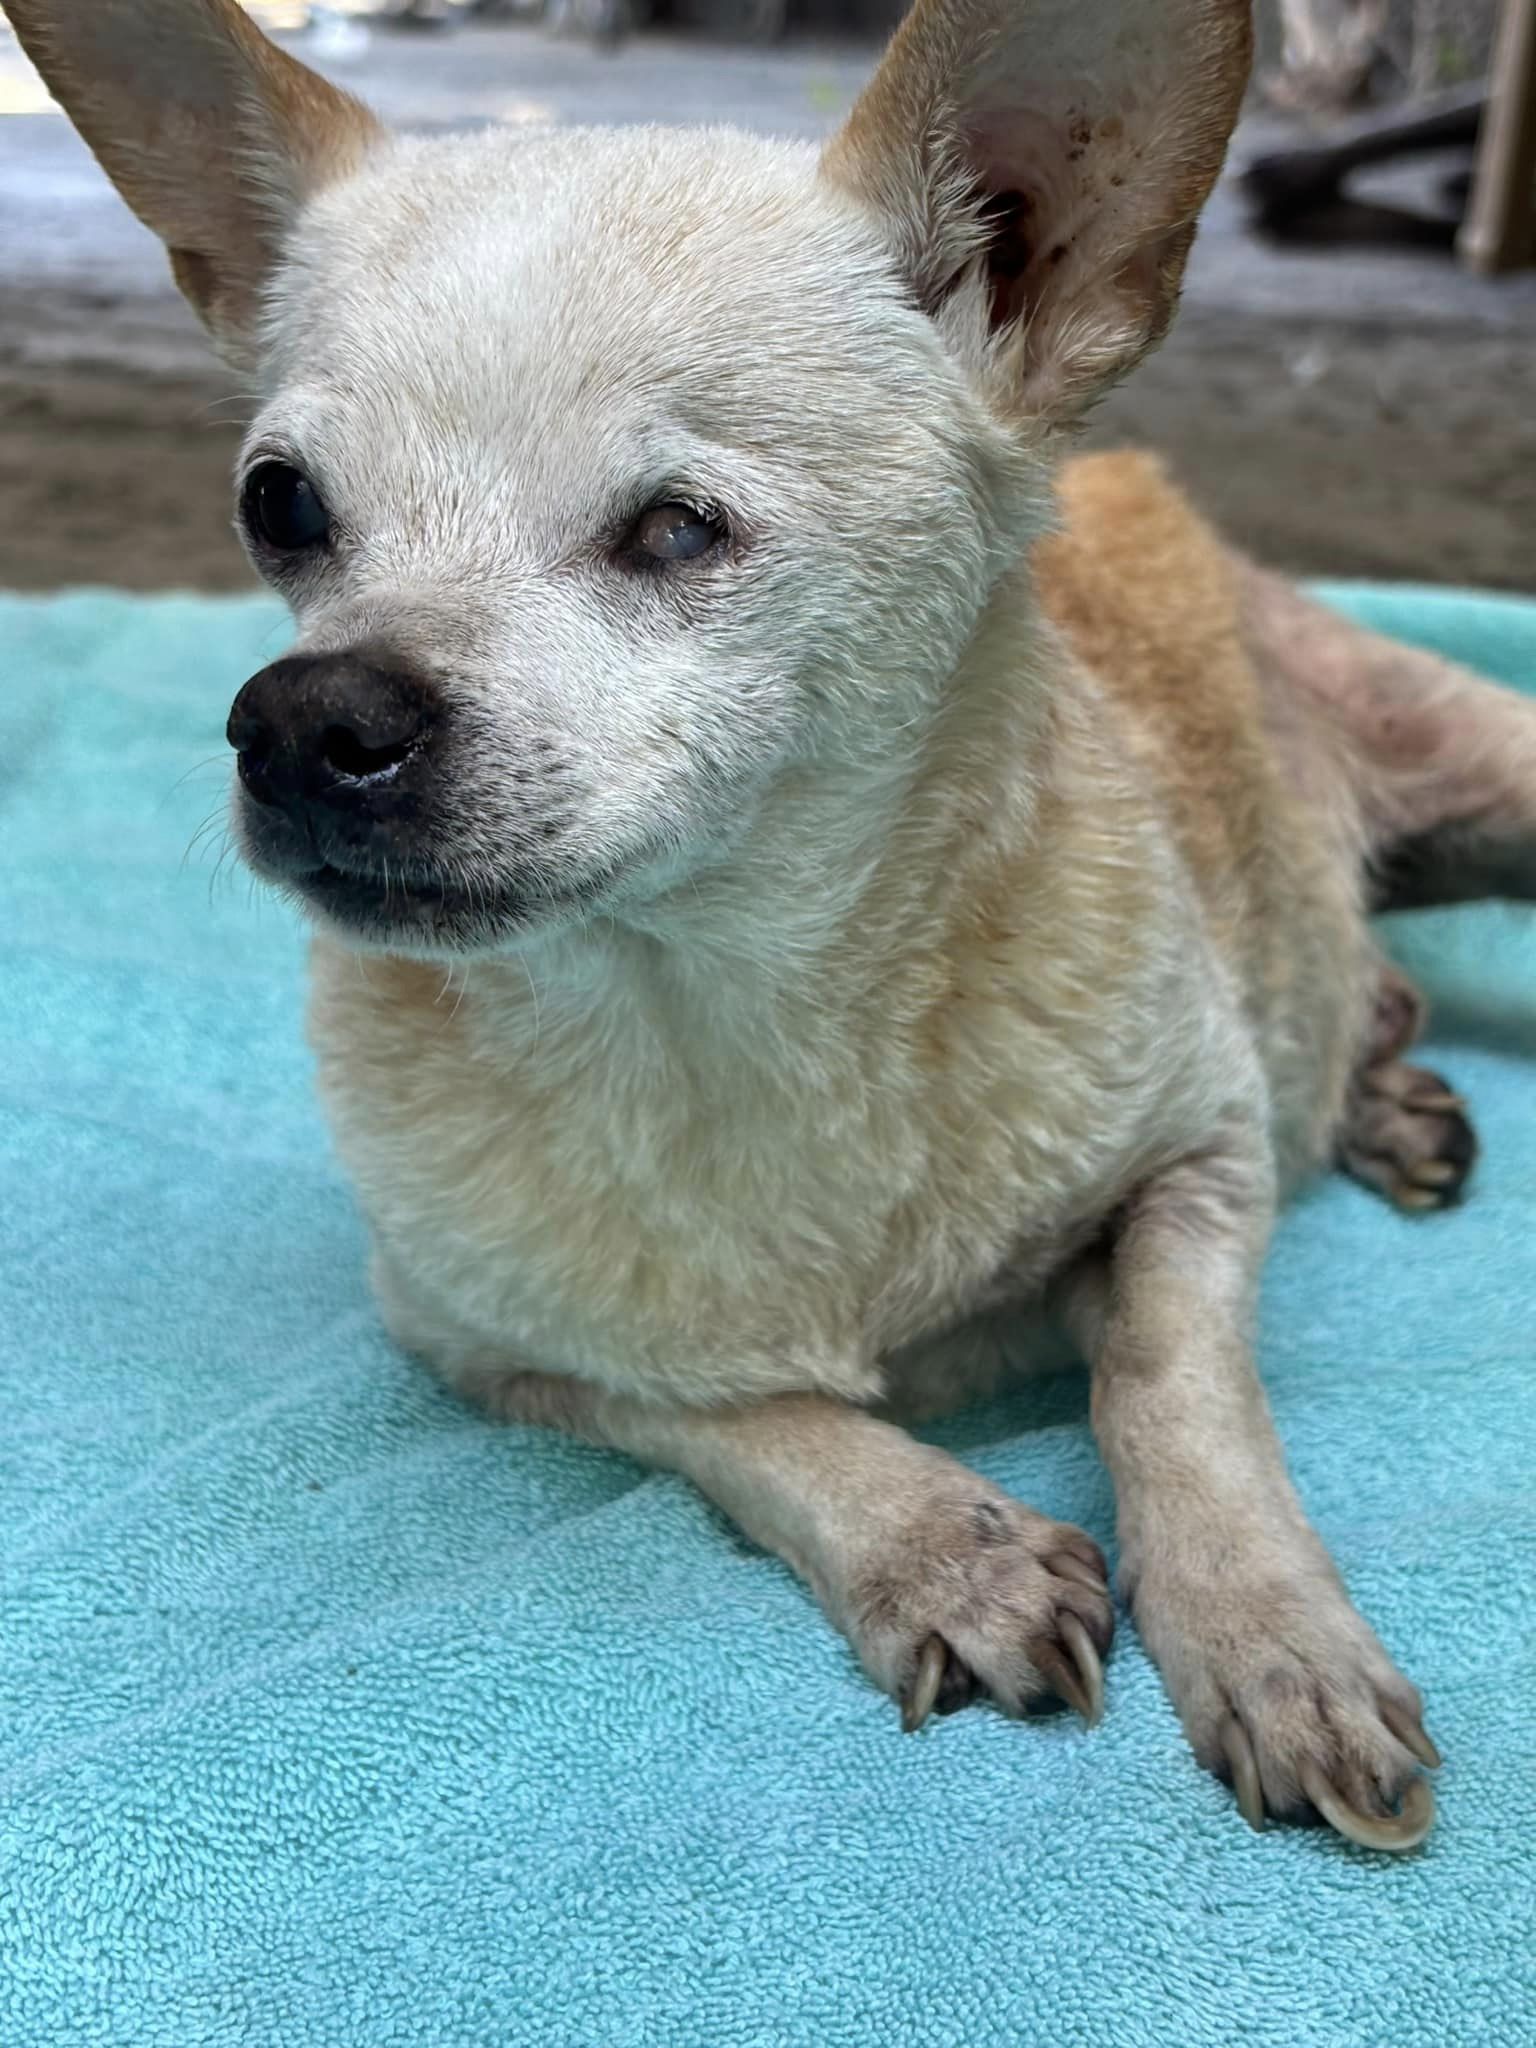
<point>1037,167</point>
<point>213,135</point>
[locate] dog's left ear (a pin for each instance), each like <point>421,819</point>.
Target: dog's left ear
<point>214,136</point>
<point>1037,167</point>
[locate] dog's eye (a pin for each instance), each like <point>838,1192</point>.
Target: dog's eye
<point>676,533</point>
<point>283,509</point>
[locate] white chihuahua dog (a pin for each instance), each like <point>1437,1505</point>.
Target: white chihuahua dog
<point>898,892</point>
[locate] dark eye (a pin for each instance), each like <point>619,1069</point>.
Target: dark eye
<point>676,533</point>
<point>283,510</point>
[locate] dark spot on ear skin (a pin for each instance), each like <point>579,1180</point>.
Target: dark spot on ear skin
<point>1057,254</point>
<point>1079,133</point>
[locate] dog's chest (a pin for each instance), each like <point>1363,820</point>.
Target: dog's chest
<point>632,1205</point>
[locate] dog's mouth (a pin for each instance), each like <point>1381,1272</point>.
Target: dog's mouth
<point>412,911</point>
<point>399,898</point>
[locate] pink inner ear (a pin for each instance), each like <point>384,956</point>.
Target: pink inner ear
<point>1048,180</point>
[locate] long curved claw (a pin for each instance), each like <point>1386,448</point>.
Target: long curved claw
<point>1410,1733</point>
<point>1244,1766</point>
<point>1072,1670</point>
<point>1391,1832</point>
<point>918,1699</point>
<point>1086,1658</point>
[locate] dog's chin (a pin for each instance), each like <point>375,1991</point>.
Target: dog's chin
<point>425,916</point>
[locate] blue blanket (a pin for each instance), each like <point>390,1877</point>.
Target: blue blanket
<point>334,1716</point>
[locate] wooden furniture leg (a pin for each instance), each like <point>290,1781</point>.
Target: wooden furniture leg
<point>1499,232</point>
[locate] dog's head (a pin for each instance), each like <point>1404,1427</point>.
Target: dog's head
<point>620,480</point>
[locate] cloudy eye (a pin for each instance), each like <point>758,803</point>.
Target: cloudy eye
<point>676,533</point>
<point>283,510</point>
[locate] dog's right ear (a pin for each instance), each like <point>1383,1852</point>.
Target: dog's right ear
<point>213,135</point>
<point>1036,167</point>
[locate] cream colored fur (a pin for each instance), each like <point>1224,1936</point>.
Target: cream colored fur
<point>953,907</point>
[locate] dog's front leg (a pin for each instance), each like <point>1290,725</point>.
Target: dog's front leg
<point>1281,1686</point>
<point>946,1587</point>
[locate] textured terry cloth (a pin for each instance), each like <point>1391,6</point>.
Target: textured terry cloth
<point>334,1716</point>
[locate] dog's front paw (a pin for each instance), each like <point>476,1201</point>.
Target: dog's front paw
<point>971,1595</point>
<point>1287,1695</point>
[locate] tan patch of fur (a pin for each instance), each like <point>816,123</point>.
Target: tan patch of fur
<point>1154,603</point>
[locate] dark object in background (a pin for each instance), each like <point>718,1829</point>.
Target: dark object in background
<point>761,21</point>
<point>1491,216</point>
<point>1298,194</point>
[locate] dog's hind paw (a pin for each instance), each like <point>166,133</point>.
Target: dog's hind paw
<point>1407,1135</point>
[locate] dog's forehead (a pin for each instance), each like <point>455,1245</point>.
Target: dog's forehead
<point>574,270</point>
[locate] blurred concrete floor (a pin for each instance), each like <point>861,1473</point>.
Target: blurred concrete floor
<point>1359,412</point>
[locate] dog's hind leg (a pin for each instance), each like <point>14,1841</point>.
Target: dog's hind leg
<point>1424,776</point>
<point>1405,1132</point>
<point>1435,766</point>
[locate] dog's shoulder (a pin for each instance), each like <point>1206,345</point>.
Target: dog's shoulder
<point>1149,599</point>
<point>1143,588</point>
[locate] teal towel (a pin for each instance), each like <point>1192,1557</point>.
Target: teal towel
<point>334,1716</point>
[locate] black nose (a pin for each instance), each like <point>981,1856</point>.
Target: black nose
<point>343,735</point>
